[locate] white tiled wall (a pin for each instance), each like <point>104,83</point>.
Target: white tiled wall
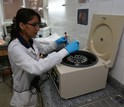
<point>65,19</point>
<point>118,7</point>
<point>118,70</point>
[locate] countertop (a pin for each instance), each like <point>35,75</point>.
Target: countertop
<point>4,46</point>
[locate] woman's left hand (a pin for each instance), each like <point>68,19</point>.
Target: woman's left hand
<point>61,40</point>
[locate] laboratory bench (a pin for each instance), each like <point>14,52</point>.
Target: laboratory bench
<point>113,92</point>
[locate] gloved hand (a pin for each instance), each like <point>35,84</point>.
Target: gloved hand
<point>61,40</point>
<point>72,47</point>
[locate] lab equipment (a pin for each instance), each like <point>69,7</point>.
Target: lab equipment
<point>103,42</point>
<point>67,38</point>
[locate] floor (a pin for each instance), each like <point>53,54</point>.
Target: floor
<point>107,97</point>
<point>116,100</point>
<point>6,91</point>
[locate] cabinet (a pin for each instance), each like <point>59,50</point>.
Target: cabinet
<point>3,52</point>
<point>4,62</point>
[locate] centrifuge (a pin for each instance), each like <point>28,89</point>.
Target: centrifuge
<point>86,70</point>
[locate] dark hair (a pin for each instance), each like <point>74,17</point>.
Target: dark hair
<point>23,15</point>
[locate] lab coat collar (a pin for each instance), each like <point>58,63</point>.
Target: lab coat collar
<point>24,43</point>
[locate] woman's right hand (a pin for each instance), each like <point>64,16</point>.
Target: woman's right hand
<point>72,47</point>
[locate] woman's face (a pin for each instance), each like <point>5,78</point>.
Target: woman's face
<point>30,29</point>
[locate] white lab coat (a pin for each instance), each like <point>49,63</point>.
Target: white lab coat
<point>26,64</point>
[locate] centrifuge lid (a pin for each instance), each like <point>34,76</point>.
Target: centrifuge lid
<point>105,35</point>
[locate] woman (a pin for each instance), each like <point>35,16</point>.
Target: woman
<point>24,55</point>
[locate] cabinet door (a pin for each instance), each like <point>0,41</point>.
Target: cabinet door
<point>3,52</point>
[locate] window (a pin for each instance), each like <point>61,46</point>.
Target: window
<point>10,8</point>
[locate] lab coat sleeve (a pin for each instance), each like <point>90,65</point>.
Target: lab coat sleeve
<point>24,61</point>
<point>46,48</point>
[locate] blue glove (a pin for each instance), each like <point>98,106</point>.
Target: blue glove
<point>61,40</point>
<point>72,47</point>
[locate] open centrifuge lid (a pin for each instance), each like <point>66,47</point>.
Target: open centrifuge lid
<point>104,36</point>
